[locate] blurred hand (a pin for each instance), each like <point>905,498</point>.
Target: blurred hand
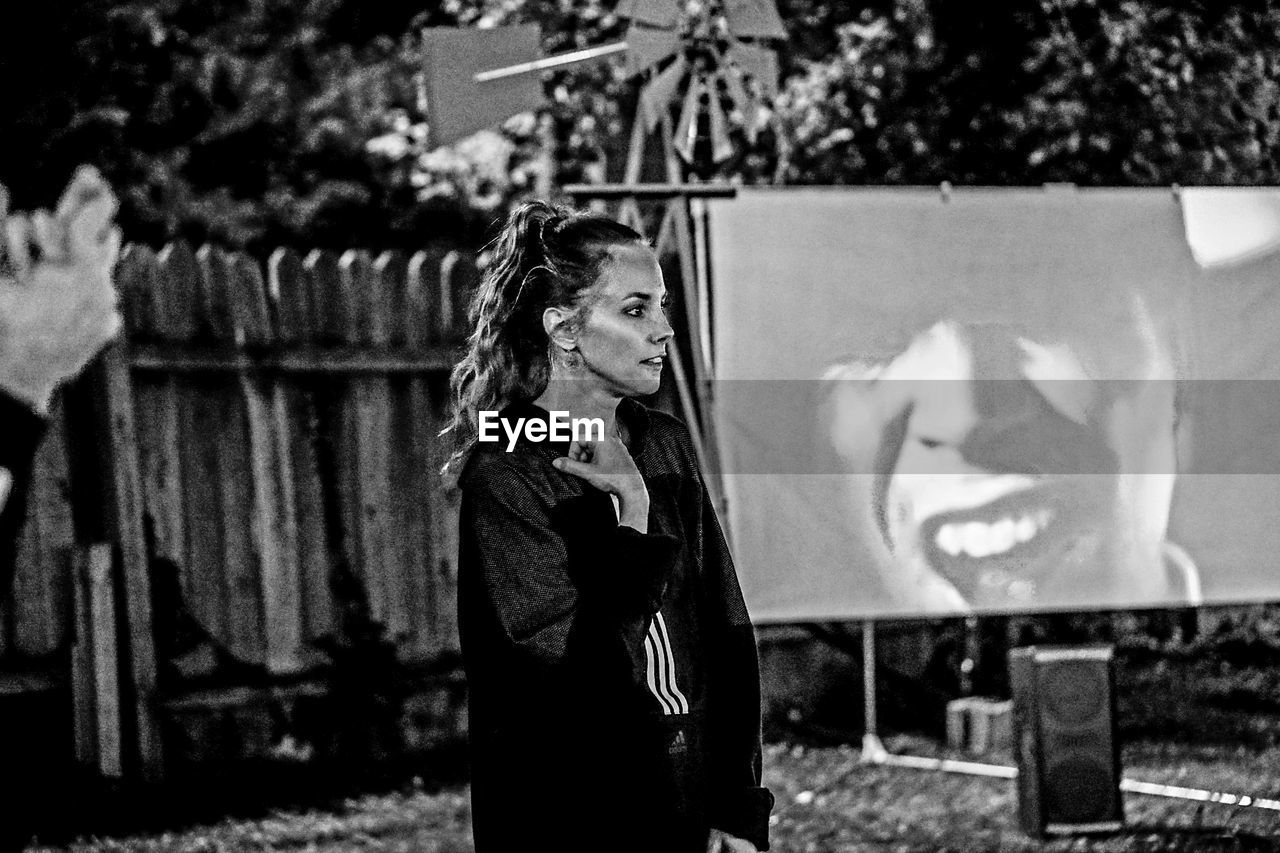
<point>607,465</point>
<point>723,842</point>
<point>57,311</point>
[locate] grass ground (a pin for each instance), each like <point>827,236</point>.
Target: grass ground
<point>827,803</point>
<point>1199,716</point>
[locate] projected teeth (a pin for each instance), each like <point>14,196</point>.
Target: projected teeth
<point>975,539</point>
<point>1000,536</point>
<point>979,539</point>
<point>948,539</point>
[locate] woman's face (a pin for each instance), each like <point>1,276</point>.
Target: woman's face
<point>624,333</point>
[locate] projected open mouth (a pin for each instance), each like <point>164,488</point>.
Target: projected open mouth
<point>1003,552</point>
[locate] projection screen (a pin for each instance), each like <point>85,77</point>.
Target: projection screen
<point>997,400</point>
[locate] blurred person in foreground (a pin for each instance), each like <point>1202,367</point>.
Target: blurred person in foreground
<point>57,310</point>
<point>614,684</point>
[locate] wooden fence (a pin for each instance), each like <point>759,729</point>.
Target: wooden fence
<point>271,465</point>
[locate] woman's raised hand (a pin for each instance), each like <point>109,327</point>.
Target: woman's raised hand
<point>607,465</point>
<point>58,309</point>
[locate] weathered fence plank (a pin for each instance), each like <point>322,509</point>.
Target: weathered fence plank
<point>178,298</point>
<point>424,328</point>
<point>420,276</point>
<point>84,701</point>
<point>334,421</point>
<point>275,530</point>
<point>100,588</point>
<point>321,365</point>
<point>139,290</point>
<point>403,552</point>
<point>232,437</point>
<point>206,558</point>
<point>47,632</point>
<point>126,520</point>
<point>150,282</point>
<point>459,280</point>
<point>409,551</point>
<point>367,406</point>
<point>252,309</point>
<point>297,327</point>
<point>193,479</point>
<point>41,601</point>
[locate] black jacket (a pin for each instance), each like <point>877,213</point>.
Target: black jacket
<point>22,430</point>
<point>614,685</point>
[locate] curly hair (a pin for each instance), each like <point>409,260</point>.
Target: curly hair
<point>544,257</point>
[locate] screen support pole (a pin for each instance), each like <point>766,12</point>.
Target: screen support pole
<point>972,655</point>
<point>873,751</point>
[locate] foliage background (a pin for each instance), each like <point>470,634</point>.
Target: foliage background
<point>266,122</point>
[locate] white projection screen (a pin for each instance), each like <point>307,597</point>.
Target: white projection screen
<point>997,400</point>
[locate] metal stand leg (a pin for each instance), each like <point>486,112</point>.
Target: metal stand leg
<point>873,751</point>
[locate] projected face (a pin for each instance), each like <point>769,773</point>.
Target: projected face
<point>1011,469</point>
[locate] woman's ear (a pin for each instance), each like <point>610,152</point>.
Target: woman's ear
<point>558,324</point>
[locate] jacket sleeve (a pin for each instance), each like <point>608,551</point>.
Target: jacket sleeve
<point>22,430</point>
<point>521,561</point>
<point>739,804</point>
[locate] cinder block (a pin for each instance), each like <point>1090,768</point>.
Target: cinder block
<point>958,723</point>
<point>990,725</point>
<point>980,725</point>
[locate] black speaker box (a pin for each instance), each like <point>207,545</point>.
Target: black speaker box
<point>1064,726</point>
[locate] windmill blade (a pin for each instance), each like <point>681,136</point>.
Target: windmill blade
<point>656,13</point>
<point>457,104</point>
<point>686,137</point>
<point>721,145</point>
<point>737,90</point>
<point>546,63</point>
<point>760,62</point>
<point>648,46</point>
<point>657,96</point>
<point>754,19</point>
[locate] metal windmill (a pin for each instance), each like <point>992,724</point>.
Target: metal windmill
<point>708,58</point>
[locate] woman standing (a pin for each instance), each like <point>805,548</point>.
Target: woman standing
<point>614,687</point>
